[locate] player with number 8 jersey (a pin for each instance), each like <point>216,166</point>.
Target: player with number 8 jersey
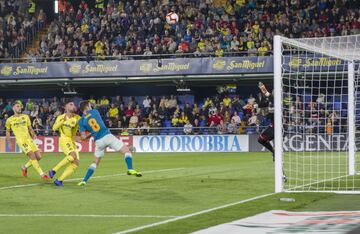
<point>92,122</point>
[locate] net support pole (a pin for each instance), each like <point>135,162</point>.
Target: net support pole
<point>351,117</point>
<point>278,141</point>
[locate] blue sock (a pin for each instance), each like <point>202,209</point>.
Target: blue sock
<point>128,160</point>
<point>90,172</point>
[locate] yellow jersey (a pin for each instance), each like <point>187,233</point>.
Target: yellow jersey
<point>67,127</point>
<point>113,112</point>
<point>20,126</point>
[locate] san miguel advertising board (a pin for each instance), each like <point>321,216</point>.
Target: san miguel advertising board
<point>155,67</point>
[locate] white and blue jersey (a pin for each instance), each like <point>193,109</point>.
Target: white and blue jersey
<point>93,123</point>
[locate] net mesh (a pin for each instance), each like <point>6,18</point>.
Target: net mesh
<point>315,113</point>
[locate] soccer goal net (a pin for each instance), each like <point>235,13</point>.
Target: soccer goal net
<point>317,114</point>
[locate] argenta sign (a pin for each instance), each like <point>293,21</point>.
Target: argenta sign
<point>306,142</point>
<point>155,67</point>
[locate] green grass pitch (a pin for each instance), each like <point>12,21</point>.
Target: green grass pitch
<point>172,185</point>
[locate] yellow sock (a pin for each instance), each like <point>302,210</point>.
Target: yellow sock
<point>66,160</point>
<point>68,171</point>
<point>28,164</point>
<point>37,167</point>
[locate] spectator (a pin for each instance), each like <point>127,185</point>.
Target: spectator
<point>221,127</point>
<point>232,127</point>
<point>183,119</point>
<point>147,104</point>
<point>113,111</point>
<point>188,128</point>
<point>175,121</point>
<point>134,120</point>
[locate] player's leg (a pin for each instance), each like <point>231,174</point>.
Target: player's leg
<point>36,165</point>
<point>266,137</point>
<point>69,150</point>
<point>31,150</point>
<point>100,146</point>
<point>119,146</point>
<point>128,160</point>
<point>25,167</point>
<point>70,169</point>
<point>90,170</point>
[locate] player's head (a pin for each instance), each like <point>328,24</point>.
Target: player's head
<point>85,106</point>
<point>17,107</point>
<point>70,107</point>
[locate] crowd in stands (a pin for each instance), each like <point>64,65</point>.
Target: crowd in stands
<point>17,27</point>
<point>152,115</point>
<point>216,27</point>
<point>221,114</point>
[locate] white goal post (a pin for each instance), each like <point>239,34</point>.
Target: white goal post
<point>317,114</point>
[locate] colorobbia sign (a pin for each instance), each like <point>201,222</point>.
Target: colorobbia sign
<point>200,143</point>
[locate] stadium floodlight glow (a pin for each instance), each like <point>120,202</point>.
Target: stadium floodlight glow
<point>317,114</point>
<point>56,6</point>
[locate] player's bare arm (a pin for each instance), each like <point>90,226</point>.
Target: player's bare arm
<point>32,132</point>
<point>8,138</point>
<point>58,123</point>
<point>85,137</point>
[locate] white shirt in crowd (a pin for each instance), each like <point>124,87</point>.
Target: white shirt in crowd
<point>147,103</point>
<point>188,128</point>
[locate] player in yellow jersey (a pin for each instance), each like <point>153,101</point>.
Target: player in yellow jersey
<point>24,134</point>
<point>67,125</point>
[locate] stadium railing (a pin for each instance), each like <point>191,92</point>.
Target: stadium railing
<point>126,57</point>
<point>248,130</point>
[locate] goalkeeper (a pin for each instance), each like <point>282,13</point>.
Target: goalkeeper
<point>268,134</point>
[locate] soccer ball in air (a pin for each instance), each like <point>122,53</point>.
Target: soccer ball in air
<point>172,18</point>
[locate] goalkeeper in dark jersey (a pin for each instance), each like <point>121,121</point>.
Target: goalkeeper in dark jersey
<point>268,134</point>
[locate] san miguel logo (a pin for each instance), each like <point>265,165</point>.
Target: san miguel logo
<point>98,68</point>
<point>172,67</point>
<point>314,62</point>
<point>6,70</point>
<point>245,64</point>
<point>23,70</point>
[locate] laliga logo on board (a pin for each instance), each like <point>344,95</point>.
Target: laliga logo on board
<point>295,62</point>
<point>146,67</point>
<point>75,69</point>
<point>219,65</point>
<point>6,70</point>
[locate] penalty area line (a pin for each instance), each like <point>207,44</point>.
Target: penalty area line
<point>94,177</point>
<point>193,214</point>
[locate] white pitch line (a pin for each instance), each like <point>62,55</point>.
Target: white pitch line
<point>94,177</point>
<point>87,216</point>
<point>192,214</point>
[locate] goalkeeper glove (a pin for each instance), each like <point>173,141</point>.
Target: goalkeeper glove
<point>263,89</point>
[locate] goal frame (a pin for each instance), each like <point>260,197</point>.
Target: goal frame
<point>278,107</point>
